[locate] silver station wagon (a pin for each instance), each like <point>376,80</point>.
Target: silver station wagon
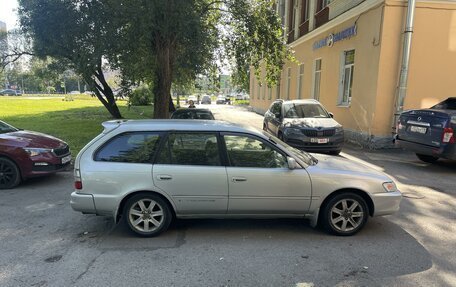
<point>149,172</point>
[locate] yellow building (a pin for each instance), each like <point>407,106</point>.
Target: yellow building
<point>350,54</point>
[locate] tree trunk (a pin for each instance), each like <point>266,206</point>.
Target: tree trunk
<point>162,100</point>
<point>104,94</point>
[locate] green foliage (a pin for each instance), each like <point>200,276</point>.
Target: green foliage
<point>242,102</point>
<point>141,96</point>
<point>62,118</point>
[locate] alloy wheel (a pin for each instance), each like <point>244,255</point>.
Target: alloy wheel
<point>146,215</point>
<point>347,215</point>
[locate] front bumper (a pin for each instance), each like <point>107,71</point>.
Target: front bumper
<point>83,202</point>
<point>386,203</point>
<point>335,143</point>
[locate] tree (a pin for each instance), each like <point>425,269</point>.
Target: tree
<point>182,38</point>
<point>75,34</point>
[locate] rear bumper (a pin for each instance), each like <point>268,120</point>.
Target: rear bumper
<point>83,203</point>
<point>386,202</point>
<point>447,151</point>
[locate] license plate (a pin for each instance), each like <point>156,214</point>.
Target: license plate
<point>320,141</point>
<point>66,159</point>
<point>420,130</point>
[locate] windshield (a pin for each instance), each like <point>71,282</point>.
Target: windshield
<point>6,128</point>
<point>295,111</point>
<point>448,104</point>
<point>302,155</point>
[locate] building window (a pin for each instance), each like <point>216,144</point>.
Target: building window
<point>288,83</point>
<point>346,83</point>
<point>269,93</point>
<point>300,80</point>
<point>278,90</point>
<point>321,4</point>
<point>317,80</point>
<point>304,17</point>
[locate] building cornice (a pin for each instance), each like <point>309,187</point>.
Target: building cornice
<point>362,7</point>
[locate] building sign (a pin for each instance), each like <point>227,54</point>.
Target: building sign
<point>333,38</point>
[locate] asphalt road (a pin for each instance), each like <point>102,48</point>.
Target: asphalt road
<point>44,243</point>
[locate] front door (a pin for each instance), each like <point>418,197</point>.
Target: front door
<point>189,169</point>
<point>260,181</point>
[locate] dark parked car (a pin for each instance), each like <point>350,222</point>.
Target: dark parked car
<point>304,124</point>
<point>25,154</point>
<point>206,100</point>
<point>430,133</point>
<point>194,114</point>
<point>9,92</point>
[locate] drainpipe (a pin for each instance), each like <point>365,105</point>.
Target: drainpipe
<point>402,89</point>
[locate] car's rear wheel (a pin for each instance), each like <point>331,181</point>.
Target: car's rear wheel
<point>10,175</point>
<point>427,158</point>
<point>345,214</point>
<point>147,214</point>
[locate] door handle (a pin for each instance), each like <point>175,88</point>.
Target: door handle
<point>238,179</point>
<point>164,177</point>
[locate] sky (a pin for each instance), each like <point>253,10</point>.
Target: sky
<point>8,13</point>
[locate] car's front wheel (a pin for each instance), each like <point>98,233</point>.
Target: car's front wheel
<point>345,214</point>
<point>147,214</point>
<point>10,175</point>
<point>427,158</point>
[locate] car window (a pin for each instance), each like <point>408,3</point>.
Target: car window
<point>190,149</point>
<point>448,104</point>
<point>5,128</point>
<point>276,108</point>
<point>244,151</point>
<point>138,147</point>
<point>305,111</point>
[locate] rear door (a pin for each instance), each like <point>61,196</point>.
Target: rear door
<point>423,126</point>
<point>189,169</point>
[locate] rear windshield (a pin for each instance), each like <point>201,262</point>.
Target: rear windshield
<point>448,104</point>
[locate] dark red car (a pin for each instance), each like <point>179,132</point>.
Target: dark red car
<point>25,154</point>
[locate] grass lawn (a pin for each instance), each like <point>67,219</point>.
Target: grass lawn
<point>75,122</point>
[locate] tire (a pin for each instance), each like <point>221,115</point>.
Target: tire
<point>280,136</point>
<point>137,208</point>
<point>335,152</point>
<point>265,127</point>
<point>335,216</point>
<point>427,158</point>
<point>10,175</point>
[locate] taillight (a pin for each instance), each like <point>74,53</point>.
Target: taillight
<point>78,184</point>
<point>77,179</point>
<point>448,135</point>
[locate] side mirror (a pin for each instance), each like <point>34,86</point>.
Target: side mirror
<point>331,115</point>
<point>292,164</point>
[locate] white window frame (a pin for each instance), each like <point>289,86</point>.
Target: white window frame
<point>342,88</point>
<point>300,81</point>
<point>314,78</point>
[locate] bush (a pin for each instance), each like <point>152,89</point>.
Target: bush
<point>242,102</point>
<point>141,96</point>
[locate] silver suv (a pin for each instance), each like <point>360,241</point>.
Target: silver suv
<point>150,171</point>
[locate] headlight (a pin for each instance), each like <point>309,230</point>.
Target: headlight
<point>390,186</point>
<point>36,151</point>
<point>339,130</point>
<point>289,131</point>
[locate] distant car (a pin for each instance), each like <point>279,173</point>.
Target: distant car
<point>8,92</point>
<point>206,100</point>
<point>74,92</point>
<point>193,114</point>
<point>304,124</point>
<point>18,93</point>
<point>430,133</point>
<point>26,154</point>
<point>221,100</point>
<point>150,172</point>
